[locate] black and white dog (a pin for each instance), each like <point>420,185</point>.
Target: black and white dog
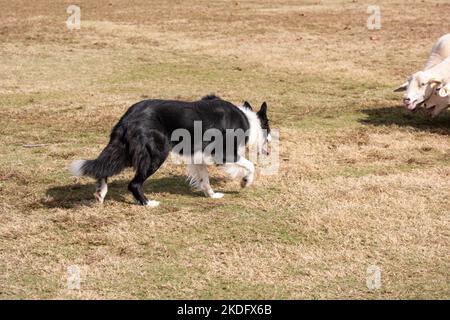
<point>145,135</point>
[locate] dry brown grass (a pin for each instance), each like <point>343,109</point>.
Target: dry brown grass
<point>360,182</point>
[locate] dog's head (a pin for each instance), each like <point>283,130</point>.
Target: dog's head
<point>264,134</point>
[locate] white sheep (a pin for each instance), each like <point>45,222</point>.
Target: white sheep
<point>438,101</point>
<point>439,52</point>
<point>420,85</point>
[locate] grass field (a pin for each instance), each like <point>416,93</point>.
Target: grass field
<point>360,181</point>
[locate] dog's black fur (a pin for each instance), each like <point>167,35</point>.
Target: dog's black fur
<point>142,137</point>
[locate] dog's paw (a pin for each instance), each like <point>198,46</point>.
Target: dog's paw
<point>99,197</point>
<point>152,203</point>
<point>246,181</point>
<point>217,195</point>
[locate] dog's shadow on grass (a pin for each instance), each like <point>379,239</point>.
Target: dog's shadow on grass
<point>75,195</point>
<point>385,116</point>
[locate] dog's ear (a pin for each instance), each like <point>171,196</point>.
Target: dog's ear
<point>262,113</point>
<point>247,105</point>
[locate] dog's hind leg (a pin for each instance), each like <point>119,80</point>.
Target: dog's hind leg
<point>136,189</point>
<point>199,178</point>
<point>149,159</point>
<point>101,188</point>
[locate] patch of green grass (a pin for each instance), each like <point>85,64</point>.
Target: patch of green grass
<point>223,288</point>
<point>307,232</point>
<point>339,121</point>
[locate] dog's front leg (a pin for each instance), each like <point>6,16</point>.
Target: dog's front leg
<point>199,179</point>
<point>243,169</point>
<point>249,167</point>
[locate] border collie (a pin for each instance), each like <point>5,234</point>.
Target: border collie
<point>143,138</point>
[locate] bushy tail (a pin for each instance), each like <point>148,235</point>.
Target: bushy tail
<point>112,160</point>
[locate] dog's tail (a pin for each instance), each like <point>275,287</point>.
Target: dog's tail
<point>112,160</point>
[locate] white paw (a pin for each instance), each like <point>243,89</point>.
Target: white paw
<point>217,195</point>
<point>152,203</point>
<point>246,181</point>
<point>99,197</point>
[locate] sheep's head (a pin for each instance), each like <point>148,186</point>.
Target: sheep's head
<point>438,101</point>
<point>419,87</point>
